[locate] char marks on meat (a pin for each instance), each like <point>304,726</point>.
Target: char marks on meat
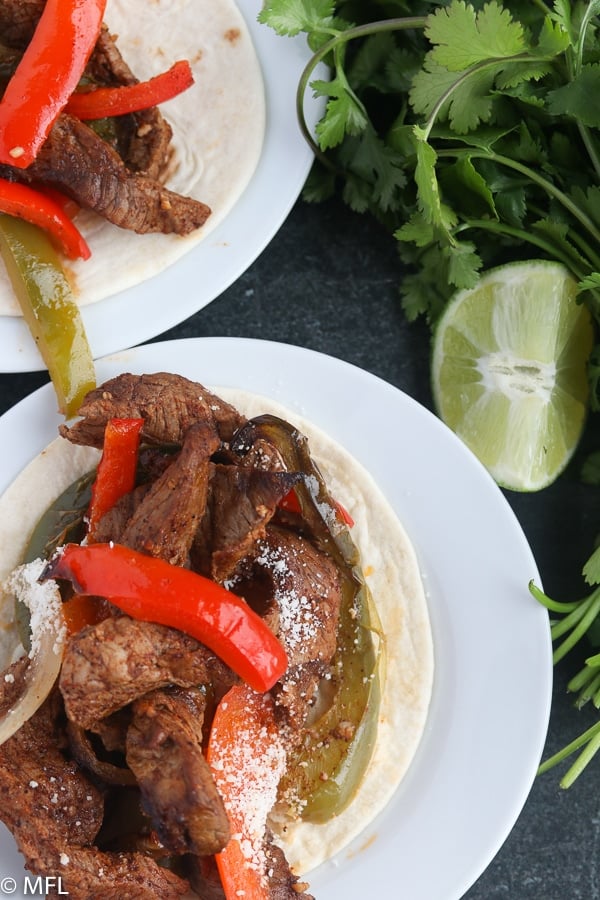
<point>169,405</point>
<point>164,750</point>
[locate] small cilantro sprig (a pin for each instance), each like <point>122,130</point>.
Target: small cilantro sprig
<point>579,619</point>
<point>469,129</point>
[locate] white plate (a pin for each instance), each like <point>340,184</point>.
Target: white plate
<point>214,264</point>
<point>492,687</point>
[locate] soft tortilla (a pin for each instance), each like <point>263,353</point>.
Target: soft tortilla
<point>218,130</point>
<point>392,573</point>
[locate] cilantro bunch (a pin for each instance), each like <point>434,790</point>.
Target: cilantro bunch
<point>470,130</point>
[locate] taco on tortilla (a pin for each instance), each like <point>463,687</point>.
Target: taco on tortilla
<point>132,758</point>
<point>152,184</point>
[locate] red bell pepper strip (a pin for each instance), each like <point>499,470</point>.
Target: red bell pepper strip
<point>69,206</point>
<point>46,76</point>
<point>247,759</point>
<point>39,209</point>
<point>81,610</point>
<point>153,590</point>
<point>116,469</point>
<point>292,504</point>
<point>103,102</point>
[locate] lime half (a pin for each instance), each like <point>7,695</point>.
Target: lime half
<point>509,371</point>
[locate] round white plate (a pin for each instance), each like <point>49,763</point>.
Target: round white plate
<point>492,687</point>
<point>138,314</point>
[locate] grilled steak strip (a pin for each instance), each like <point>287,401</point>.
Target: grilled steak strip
<point>164,751</point>
<point>38,782</point>
<point>76,161</point>
<point>241,502</point>
<point>54,812</point>
<point>145,136</point>
<point>18,19</point>
<point>108,665</point>
<point>169,404</point>
<point>297,587</point>
<point>164,523</point>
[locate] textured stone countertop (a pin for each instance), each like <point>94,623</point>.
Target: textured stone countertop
<point>329,281</point>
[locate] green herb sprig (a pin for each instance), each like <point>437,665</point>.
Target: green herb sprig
<point>578,620</point>
<point>468,129</point>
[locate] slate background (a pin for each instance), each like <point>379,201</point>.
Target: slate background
<point>329,281</point>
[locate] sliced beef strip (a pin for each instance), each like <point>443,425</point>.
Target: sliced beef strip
<point>76,161</point>
<point>164,751</point>
<point>108,665</point>
<point>37,781</point>
<point>168,403</point>
<point>18,19</point>
<point>54,813</point>
<point>282,884</point>
<point>165,521</point>
<point>241,503</point>
<point>144,137</point>
<point>298,591</point>
<point>112,524</point>
<point>13,683</point>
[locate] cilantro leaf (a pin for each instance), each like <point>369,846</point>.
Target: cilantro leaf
<point>463,37</point>
<point>344,113</point>
<point>591,570</point>
<point>290,17</point>
<point>579,98</point>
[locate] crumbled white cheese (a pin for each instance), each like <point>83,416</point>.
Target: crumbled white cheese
<point>43,601</point>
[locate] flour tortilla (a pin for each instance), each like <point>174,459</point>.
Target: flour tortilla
<point>218,129</point>
<point>391,571</point>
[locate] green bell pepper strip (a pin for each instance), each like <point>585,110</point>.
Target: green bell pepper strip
<point>329,766</point>
<point>49,309</point>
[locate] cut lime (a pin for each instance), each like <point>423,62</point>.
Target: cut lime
<point>509,371</point>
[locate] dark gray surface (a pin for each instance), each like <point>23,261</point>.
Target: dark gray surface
<point>329,281</point>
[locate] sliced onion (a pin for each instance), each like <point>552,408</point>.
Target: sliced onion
<point>48,633</point>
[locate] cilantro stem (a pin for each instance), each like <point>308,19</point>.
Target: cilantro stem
<point>543,183</point>
<point>591,738</point>
<point>589,688</point>
<point>552,605</point>
<point>527,236</point>
<point>343,37</point>
<point>589,145</point>
<point>591,609</point>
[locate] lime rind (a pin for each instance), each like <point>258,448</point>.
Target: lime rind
<point>509,371</point>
